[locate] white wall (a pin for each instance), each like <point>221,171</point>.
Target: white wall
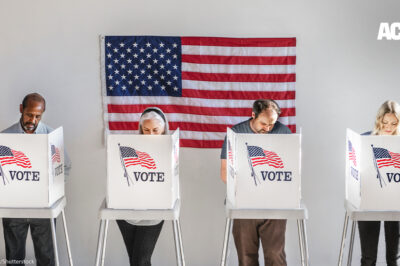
<point>343,75</point>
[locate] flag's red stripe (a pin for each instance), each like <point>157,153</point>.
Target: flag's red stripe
<point>239,60</point>
<point>238,95</point>
<point>223,77</point>
<point>239,42</point>
<point>207,144</point>
<point>196,110</point>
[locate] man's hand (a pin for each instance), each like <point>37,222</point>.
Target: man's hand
<point>223,170</point>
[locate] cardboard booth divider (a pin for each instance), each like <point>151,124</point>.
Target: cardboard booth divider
<point>373,171</point>
<point>263,170</point>
<point>142,171</point>
<point>31,169</point>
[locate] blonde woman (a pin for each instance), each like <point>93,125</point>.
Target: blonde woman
<point>140,236</point>
<point>386,123</point>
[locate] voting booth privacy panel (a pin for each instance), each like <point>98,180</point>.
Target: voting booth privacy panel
<point>373,171</point>
<point>263,170</point>
<point>142,171</point>
<point>31,169</point>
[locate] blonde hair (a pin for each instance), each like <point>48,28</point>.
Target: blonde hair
<point>388,107</point>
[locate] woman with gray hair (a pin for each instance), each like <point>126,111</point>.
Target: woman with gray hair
<point>140,236</point>
<point>386,123</point>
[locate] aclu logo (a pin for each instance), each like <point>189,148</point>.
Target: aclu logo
<point>12,157</point>
<point>130,157</point>
<point>258,156</point>
<point>389,31</point>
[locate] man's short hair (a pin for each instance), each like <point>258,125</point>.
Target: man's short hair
<point>263,104</point>
<point>33,97</point>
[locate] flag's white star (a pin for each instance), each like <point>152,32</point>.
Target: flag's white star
<point>111,88</point>
<point>122,55</point>
<point>130,82</point>
<point>136,77</point>
<point>134,44</point>
<point>162,77</point>
<point>168,61</point>
<point>148,44</point>
<point>110,77</point>
<point>175,56</point>
<point>155,61</point>
<point>116,61</point>
<point>148,55</point>
<point>142,61</point>
<point>175,88</point>
<point>163,87</point>
<point>122,44</point>
<point>175,67</point>
<point>109,66</point>
<point>156,82</point>
<point>162,66</point>
<point>175,77</point>
<point>108,44</point>
<point>169,82</point>
<point>109,55</point>
<point>116,71</point>
<point>129,61</point>
<point>129,71</point>
<point>155,71</point>
<point>128,50</point>
<point>149,66</point>
<point>155,50</point>
<point>168,50</point>
<point>124,87</point>
<point>161,55</point>
<point>123,66</point>
<point>149,87</point>
<point>115,50</point>
<point>174,45</point>
<point>123,77</point>
<point>169,72</point>
<point>149,76</point>
<point>142,71</point>
<point>136,66</point>
<point>161,45</point>
<point>141,50</point>
<point>143,82</point>
<point>137,87</point>
<point>135,55</point>
<point>117,82</point>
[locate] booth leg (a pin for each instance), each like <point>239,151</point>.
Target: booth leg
<point>67,238</point>
<point>304,230</point>
<point>301,242</point>
<point>180,242</point>
<point>344,234</point>
<point>228,229</point>
<point>100,243</point>
<point>353,232</point>
<point>53,233</point>
<point>176,239</point>
<point>103,252</point>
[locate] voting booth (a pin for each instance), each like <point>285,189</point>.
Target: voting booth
<point>263,170</point>
<point>31,169</point>
<point>142,171</point>
<point>373,171</point>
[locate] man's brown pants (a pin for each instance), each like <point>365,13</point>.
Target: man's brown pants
<point>247,234</point>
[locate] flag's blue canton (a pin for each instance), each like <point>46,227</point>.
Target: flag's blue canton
<point>255,151</point>
<point>350,146</point>
<point>143,66</point>
<point>53,150</point>
<point>127,152</point>
<point>381,153</point>
<point>6,151</point>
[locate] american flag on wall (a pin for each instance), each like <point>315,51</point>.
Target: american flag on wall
<point>203,84</point>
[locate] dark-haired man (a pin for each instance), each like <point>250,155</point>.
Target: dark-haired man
<point>16,229</point>
<point>248,232</point>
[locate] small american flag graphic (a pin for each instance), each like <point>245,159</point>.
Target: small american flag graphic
<point>385,158</point>
<point>132,157</point>
<point>10,156</point>
<point>55,154</point>
<point>352,153</point>
<point>260,156</point>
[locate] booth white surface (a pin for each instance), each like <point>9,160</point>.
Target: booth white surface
<point>271,188</point>
<point>39,185</point>
<point>369,192</point>
<point>144,188</point>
